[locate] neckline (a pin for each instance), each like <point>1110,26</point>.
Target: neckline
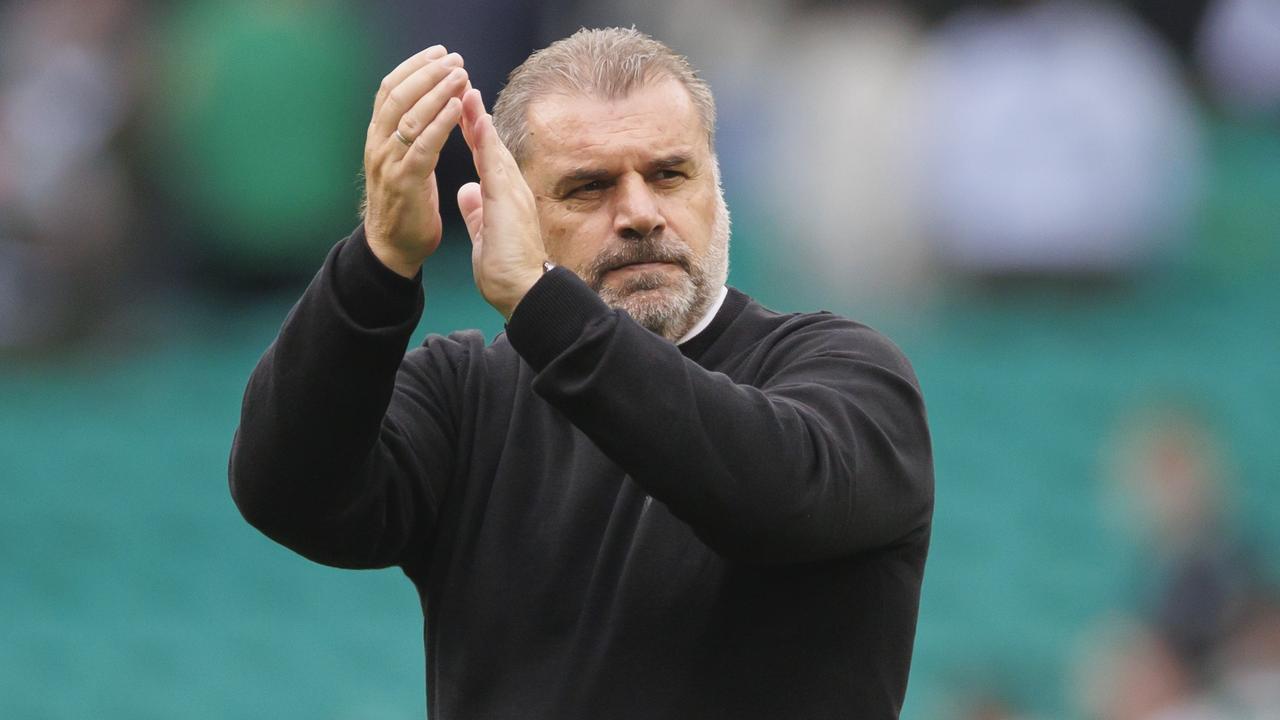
<point>706,318</point>
<point>734,303</point>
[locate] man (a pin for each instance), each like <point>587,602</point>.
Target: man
<point>650,497</point>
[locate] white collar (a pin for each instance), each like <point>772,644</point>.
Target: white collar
<point>706,318</point>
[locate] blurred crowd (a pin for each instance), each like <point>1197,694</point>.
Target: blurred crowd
<point>879,148</point>
<point>892,144</point>
<point>1199,635</point>
<point>1203,642</point>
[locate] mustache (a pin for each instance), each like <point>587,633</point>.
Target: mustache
<point>654,248</point>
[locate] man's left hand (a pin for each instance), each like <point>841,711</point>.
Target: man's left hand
<point>501,214</point>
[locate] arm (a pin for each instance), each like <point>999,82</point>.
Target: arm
<point>340,449</point>
<point>828,456</point>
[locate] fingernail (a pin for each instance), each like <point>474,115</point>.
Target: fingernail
<point>436,49</point>
<point>452,59</point>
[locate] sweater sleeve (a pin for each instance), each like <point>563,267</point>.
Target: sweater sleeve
<point>827,454</point>
<point>326,460</point>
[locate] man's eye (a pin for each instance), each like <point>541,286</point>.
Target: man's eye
<point>588,189</point>
<point>668,175</point>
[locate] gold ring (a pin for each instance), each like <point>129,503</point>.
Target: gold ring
<point>400,136</point>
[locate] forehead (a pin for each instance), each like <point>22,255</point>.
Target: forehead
<point>656,119</point>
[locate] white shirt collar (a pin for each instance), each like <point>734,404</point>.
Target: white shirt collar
<point>706,318</point>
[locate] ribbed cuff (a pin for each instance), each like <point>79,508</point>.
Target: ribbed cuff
<point>552,315</point>
<point>373,294</point>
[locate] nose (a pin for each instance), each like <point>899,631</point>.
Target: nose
<point>636,212</point>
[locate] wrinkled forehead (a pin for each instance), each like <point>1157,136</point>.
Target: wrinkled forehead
<point>655,119</point>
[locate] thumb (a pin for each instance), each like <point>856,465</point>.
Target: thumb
<point>472,206</point>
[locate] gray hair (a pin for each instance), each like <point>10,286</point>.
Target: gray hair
<point>605,63</point>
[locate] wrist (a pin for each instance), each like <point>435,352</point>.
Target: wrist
<point>394,260</point>
<point>519,288</point>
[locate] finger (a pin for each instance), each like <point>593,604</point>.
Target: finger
<point>409,91</point>
<point>493,161</point>
<point>427,108</point>
<point>404,70</point>
<point>422,156</point>
<point>472,206</point>
<point>466,128</point>
<point>472,109</point>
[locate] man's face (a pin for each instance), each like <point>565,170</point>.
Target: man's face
<point>628,198</point>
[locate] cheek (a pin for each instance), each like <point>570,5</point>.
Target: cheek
<point>693,220</point>
<point>555,231</point>
<point>570,239</point>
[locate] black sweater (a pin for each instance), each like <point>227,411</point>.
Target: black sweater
<point>600,523</point>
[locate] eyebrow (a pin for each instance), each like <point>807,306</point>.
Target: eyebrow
<point>670,161</point>
<point>581,175</point>
<point>587,175</point>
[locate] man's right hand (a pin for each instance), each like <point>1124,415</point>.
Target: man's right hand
<point>421,100</point>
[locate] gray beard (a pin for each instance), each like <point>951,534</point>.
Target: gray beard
<point>664,306</point>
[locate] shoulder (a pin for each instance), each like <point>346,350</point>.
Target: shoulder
<point>790,337</point>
